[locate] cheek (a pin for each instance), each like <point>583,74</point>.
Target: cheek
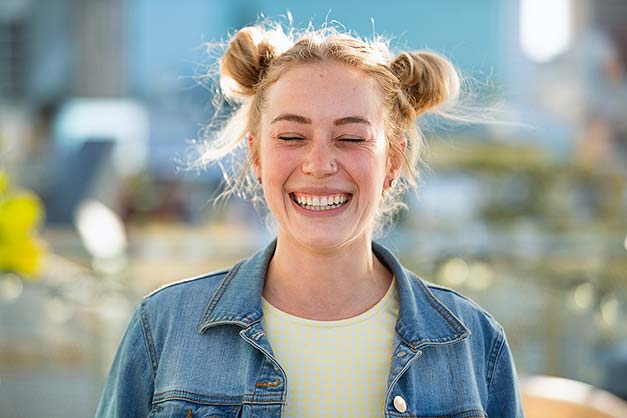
<point>266,156</point>
<point>380,157</point>
<point>276,164</point>
<point>369,170</point>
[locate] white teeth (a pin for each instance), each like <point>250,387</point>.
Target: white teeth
<point>321,203</point>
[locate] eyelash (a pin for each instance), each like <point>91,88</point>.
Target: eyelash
<point>298,138</point>
<point>291,138</point>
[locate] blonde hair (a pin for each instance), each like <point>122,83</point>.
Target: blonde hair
<point>413,83</point>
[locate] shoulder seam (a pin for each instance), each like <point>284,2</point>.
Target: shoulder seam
<point>493,359</point>
<point>148,340</point>
<point>190,279</point>
<point>466,298</point>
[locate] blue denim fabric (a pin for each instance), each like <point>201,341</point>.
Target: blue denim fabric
<point>198,349</point>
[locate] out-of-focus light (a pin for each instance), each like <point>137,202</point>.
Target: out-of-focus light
<point>110,265</point>
<point>625,243</point>
<point>114,306</point>
<point>545,28</point>
<point>582,296</point>
<point>11,287</point>
<point>100,229</point>
<point>610,310</point>
<point>58,311</point>
<point>575,393</point>
<point>556,388</point>
<point>480,276</point>
<point>454,272</point>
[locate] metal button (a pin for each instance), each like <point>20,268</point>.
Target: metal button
<point>399,404</point>
<point>418,353</point>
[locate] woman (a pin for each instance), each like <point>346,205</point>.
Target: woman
<point>323,322</point>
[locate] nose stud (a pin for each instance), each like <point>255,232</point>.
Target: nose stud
<point>320,165</point>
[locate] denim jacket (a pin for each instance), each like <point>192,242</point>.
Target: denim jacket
<point>197,348</point>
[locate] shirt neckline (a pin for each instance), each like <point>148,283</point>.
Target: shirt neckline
<point>272,310</point>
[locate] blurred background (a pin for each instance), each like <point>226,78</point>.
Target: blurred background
<point>100,101</point>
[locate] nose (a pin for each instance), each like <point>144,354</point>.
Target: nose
<point>319,159</point>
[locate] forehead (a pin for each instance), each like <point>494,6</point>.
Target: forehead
<point>324,91</point>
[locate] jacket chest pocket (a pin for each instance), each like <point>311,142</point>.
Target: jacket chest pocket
<point>187,409</point>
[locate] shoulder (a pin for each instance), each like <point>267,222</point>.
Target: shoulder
<point>486,335</point>
<point>478,320</point>
<point>193,284</point>
<point>462,304</point>
<point>436,304</point>
<point>188,297</point>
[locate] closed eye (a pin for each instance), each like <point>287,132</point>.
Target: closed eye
<point>352,139</point>
<point>290,138</point>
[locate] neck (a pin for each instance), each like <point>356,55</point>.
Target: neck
<point>327,284</point>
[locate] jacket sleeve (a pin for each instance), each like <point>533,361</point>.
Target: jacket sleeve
<point>504,399</point>
<point>129,387</point>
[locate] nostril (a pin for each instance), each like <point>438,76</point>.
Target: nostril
<point>321,168</point>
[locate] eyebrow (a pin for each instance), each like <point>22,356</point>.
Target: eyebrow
<point>290,117</point>
<point>351,119</point>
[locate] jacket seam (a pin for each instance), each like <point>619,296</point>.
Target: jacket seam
<point>495,355</point>
<point>188,280</point>
<point>194,397</point>
<point>148,340</point>
<point>432,286</point>
<point>261,368</point>
<point>469,413</point>
<point>187,396</point>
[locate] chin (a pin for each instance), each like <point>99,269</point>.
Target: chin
<point>323,241</point>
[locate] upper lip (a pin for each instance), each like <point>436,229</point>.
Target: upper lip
<point>319,191</point>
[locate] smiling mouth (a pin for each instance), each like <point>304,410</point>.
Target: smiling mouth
<point>320,203</point>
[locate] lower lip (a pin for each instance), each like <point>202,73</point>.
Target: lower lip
<point>321,213</point>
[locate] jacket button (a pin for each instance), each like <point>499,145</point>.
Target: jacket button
<point>399,404</point>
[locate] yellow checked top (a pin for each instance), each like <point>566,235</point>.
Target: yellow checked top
<point>335,368</point>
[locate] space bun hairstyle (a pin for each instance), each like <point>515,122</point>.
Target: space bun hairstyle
<point>427,79</point>
<point>247,58</point>
<point>412,84</point>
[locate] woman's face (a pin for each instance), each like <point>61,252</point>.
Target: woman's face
<point>322,155</point>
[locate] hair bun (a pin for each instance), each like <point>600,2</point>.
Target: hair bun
<point>428,79</point>
<point>245,61</point>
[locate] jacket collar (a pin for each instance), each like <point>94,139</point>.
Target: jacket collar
<point>422,319</point>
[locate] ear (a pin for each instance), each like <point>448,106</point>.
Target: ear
<point>254,154</point>
<point>396,158</point>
